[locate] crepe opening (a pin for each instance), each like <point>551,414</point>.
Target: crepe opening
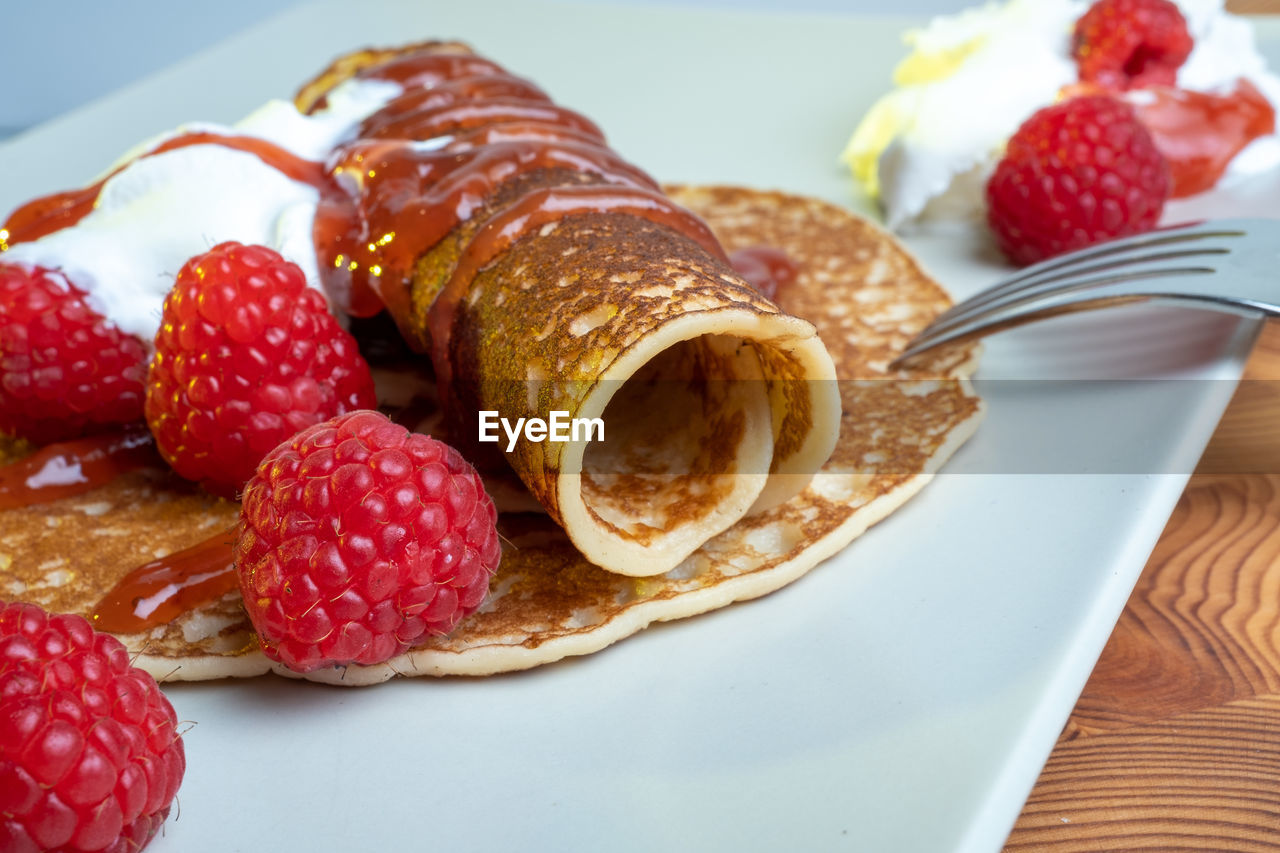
<point>689,443</point>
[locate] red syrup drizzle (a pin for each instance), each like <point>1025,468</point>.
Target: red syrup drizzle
<point>162,590</point>
<point>47,214</point>
<point>72,468</point>
<point>532,211</point>
<point>515,131</point>
<point>404,200</point>
<point>1199,133</point>
<point>415,101</point>
<point>769,270</point>
<point>465,115</point>
<point>151,594</point>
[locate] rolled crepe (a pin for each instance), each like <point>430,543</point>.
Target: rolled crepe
<point>572,291</point>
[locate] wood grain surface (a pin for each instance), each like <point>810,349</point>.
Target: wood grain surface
<point>1175,741</point>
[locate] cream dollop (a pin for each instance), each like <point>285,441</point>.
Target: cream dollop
<point>160,210</point>
<point>927,148</point>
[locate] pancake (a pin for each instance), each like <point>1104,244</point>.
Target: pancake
<point>859,288</point>
<point>572,287</point>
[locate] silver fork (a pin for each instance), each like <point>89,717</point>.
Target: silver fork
<point>1229,265</point>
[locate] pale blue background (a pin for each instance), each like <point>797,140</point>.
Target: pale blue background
<point>58,54</point>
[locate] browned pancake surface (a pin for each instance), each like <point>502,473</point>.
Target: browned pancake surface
<point>865,295</point>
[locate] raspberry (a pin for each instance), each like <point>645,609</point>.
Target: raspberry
<point>1124,44</point>
<point>1076,173</point>
<point>247,354</point>
<point>90,757</point>
<point>357,538</point>
<point>65,371</point>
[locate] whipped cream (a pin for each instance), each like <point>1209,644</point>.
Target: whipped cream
<point>160,210</point>
<point>927,148</point>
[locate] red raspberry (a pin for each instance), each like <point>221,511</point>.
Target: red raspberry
<point>358,537</point>
<point>1123,44</point>
<point>247,354</point>
<point>1076,173</point>
<point>65,371</point>
<point>90,757</point>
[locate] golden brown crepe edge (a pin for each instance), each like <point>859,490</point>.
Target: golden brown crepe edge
<point>495,659</point>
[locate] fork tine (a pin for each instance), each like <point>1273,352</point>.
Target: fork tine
<point>1223,265</point>
<point>1118,290</point>
<point>1137,268</point>
<point>1115,252</point>
<point>1166,235</point>
<point>974,330</point>
<point>1133,260</point>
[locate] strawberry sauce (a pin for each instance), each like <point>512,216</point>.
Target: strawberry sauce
<point>406,200</point>
<point>533,210</point>
<point>72,468</point>
<point>1200,133</point>
<point>160,591</point>
<point>769,270</point>
<point>51,213</point>
<point>417,101</point>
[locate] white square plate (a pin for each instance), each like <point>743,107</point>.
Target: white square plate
<point>903,696</point>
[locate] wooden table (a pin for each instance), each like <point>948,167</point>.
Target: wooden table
<point>1175,741</point>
